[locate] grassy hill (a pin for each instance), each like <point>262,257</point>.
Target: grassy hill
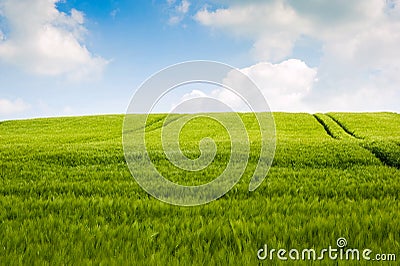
<point>67,196</point>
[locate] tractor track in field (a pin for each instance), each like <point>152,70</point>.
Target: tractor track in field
<point>325,126</point>
<point>148,126</point>
<point>154,122</point>
<point>162,124</point>
<point>345,129</point>
<point>383,156</point>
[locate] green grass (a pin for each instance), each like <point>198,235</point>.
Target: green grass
<point>380,132</point>
<point>67,196</point>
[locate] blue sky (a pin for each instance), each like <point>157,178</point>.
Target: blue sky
<point>78,57</point>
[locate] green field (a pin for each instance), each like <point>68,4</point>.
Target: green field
<point>67,196</point>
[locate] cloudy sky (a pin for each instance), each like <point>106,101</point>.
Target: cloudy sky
<point>73,57</point>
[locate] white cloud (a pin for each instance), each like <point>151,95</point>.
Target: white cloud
<point>284,85</point>
<point>45,41</point>
<point>217,100</point>
<point>179,11</point>
<point>9,107</point>
<point>274,26</point>
<point>183,7</point>
<point>182,107</point>
<point>360,54</point>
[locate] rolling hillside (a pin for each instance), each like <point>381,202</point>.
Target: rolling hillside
<point>67,196</point>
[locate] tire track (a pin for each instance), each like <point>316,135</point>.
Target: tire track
<point>178,116</point>
<point>343,126</point>
<point>325,126</point>
<point>388,153</point>
<point>383,151</point>
<point>332,128</point>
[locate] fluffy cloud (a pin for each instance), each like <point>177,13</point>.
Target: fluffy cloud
<point>284,85</point>
<point>8,107</point>
<point>43,40</point>
<point>179,11</point>
<point>360,55</point>
<point>192,102</point>
<point>274,26</point>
